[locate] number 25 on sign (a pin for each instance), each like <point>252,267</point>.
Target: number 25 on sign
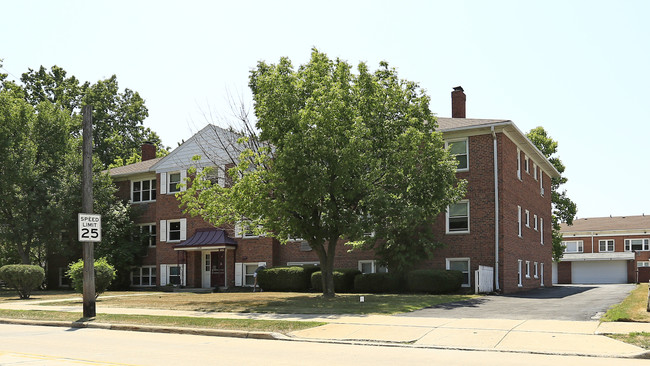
<point>90,227</point>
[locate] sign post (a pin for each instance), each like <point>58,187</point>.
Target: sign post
<point>87,207</point>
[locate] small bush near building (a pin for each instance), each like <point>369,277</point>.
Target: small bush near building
<point>294,278</point>
<point>435,281</point>
<point>22,277</point>
<point>343,280</point>
<point>104,275</point>
<point>376,283</point>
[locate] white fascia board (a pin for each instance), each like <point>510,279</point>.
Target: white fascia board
<point>581,257</point>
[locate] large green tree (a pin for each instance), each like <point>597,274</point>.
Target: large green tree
<point>339,155</point>
<point>118,115</point>
<point>564,209</point>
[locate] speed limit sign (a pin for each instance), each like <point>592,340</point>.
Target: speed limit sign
<point>90,227</point>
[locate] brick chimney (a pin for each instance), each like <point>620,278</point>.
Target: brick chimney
<point>148,151</point>
<point>458,103</point>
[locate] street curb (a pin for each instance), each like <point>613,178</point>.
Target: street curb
<point>282,337</point>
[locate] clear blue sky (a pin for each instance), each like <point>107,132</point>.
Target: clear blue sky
<point>581,69</point>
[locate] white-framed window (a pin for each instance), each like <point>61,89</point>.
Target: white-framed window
<point>245,229</point>
<point>573,246</point>
<point>174,181</point>
<point>535,222</point>
<point>519,221</point>
<point>371,266</point>
<point>148,234</point>
<point>541,280</point>
<point>144,276</point>
<point>519,274</point>
<point>527,269</point>
<point>527,218</point>
<point>245,273</point>
<point>460,150</point>
<point>526,164</point>
<point>643,264</point>
<point>173,230</point>
<point>541,182</point>
<point>606,245</point>
<point>636,245</point>
<point>535,273</point>
<point>172,274</point>
<point>143,190</point>
<point>462,265</point>
<point>458,217</point>
<point>535,171</point>
<point>519,164</point>
<point>217,175</point>
<point>305,247</point>
<point>541,230</point>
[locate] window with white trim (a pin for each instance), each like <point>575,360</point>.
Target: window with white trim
<point>519,274</point>
<point>541,182</point>
<point>573,246</point>
<point>643,264</point>
<point>535,222</point>
<point>148,235</point>
<point>636,245</point>
<point>519,164</point>
<point>527,269</point>
<point>606,245</point>
<point>245,229</point>
<point>174,181</point>
<point>541,230</point>
<point>143,276</point>
<point>173,230</point>
<point>535,171</point>
<point>216,175</point>
<point>535,273</point>
<point>462,265</point>
<point>174,275</point>
<point>527,218</point>
<point>371,266</point>
<point>519,221</point>
<point>458,217</point>
<point>249,274</point>
<point>459,150</point>
<point>143,190</point>
<point>526,164</point>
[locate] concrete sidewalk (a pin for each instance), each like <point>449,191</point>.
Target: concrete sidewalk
<point>584,338</point>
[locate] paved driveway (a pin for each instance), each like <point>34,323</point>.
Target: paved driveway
<point>561,302</point>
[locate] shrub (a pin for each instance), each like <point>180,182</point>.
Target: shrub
<point>22,277</point>
<point>343,280</point>
<point>294,278</point>
<point>104,275</point>
<point>376,283</point>
<point>436,281</point>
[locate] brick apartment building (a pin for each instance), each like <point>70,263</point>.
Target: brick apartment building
<point>605,250</point>
<point>504,222</point>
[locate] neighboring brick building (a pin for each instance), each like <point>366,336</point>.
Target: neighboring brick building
<point>606,250</point>
<point>499,162</point>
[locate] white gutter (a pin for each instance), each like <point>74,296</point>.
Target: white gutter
<point>496,210</point>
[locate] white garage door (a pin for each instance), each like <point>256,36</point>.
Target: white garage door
<point>599,272</point>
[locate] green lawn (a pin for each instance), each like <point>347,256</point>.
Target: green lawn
<point>277,302</point>
<point>279,326</point>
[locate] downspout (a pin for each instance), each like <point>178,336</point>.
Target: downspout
<point>496,211</point>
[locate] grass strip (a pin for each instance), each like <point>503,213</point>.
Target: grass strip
<point>641,339</point>
<point>279,326</point>
<point>632,309</point>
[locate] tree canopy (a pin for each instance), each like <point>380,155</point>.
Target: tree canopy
<point>339,156</point>
<point>564,209</point>
<point>118,115</point>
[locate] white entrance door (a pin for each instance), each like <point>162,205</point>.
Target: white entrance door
<point>205,270</point>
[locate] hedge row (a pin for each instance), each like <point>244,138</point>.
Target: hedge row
<point>22,277</point>
<point>300,279</point>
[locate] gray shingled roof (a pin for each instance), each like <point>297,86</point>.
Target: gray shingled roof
<point>608,223</point>
<point>141,167</point>
<point>445,124</point>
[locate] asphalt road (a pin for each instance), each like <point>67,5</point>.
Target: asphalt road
<point>56,346</point>
<point>561,302</point>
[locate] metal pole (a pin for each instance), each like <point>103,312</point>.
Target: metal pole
<point>87,207</point>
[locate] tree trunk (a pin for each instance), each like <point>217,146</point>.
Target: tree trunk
<point>326,258</point>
